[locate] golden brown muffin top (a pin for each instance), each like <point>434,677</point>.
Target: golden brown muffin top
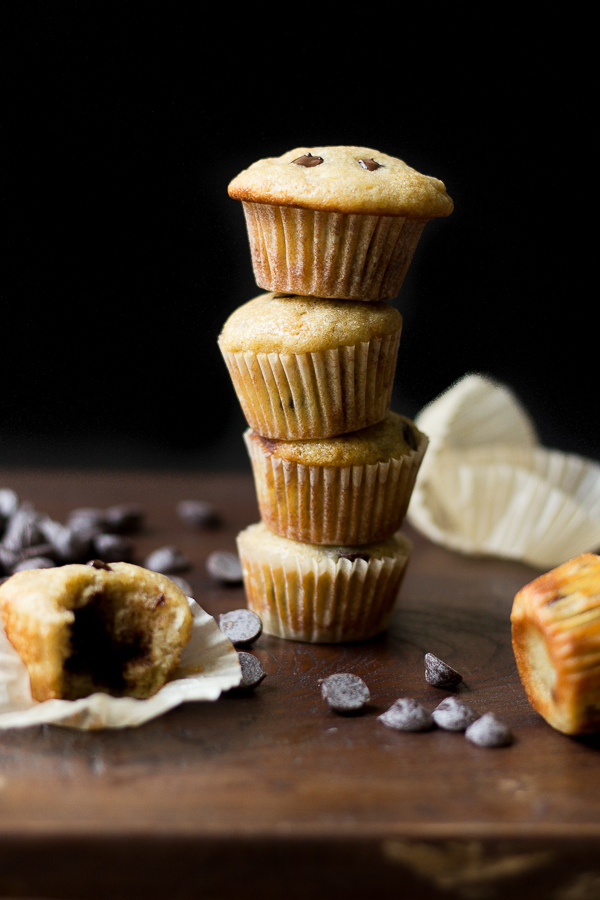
<point>394,437</point>
<point>260,539</point>
<point>287,323</point>
<point>343,179</point>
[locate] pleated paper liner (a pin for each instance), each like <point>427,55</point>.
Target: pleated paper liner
<point>303,594</point>
<point>328,254</point>
<point>540,506</point>
<point>330,504</point>
<point>313,395</point>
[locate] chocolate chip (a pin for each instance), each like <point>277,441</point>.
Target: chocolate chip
<point>308,161</point>
<point>370,164</point>
<point>224,566</point>
<point>113,547</point>
<point>242,626</point>
<point>345,693</point>
<point>407,715</point>
<point>488,731</point>
<point>8,559</point>
<point>23,528</point>
<point>182,584</point>
<point>167,560</point>
<point>69,545</point>
<point>409,436</point>
<point>89,519</point>
<point>99,564</point>
<point>35,562</point>
<point>9,503</point>
<point>440,674</point>
<point>198,513</point>
<point>354,556</point>
<point>124,518</point>
<point>252,671</point>
<point>453,715</point>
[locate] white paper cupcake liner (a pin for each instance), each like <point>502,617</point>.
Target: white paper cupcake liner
<point>328,254</point>
<point>510,498</point>
<point>209,665</point>
<point>312,395</point>
<point>330,504</point>
<point>321,600</point>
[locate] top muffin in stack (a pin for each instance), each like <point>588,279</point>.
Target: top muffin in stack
<point>332,231</point>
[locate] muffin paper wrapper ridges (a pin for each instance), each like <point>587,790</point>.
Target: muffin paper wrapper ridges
<point>329,254</point>
<point>321,601</point>
<point>209,665</point>
<point>487,487</point>
<point>330,504</point>
<point>311,395</point>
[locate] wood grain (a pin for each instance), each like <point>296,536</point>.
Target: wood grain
<point>278,792</point>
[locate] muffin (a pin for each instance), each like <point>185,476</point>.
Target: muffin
<point>350,489</point>
<point>337,222</point>
<point>321,594</point>
<point>305,368</point>
<point>556,641</point>
<point>118,629</point>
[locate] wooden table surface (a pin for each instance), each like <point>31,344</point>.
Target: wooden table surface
<point>273,794</point>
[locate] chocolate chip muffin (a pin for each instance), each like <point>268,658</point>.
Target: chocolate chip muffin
<point>337,222</point>
<point>321,594</point>
<point>304,367</point>
<point>118,629</point>
<point>349,489</point>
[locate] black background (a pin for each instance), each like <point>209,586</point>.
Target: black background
<point>124,254</point>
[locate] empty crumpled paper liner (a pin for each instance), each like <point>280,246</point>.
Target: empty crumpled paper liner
<point>486,486</point>
<point>209,665</point>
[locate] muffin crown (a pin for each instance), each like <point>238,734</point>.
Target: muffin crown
<point>346,180</point>
<point>277,323</point>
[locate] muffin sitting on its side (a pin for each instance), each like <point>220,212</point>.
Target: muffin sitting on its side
<point>305,368</point>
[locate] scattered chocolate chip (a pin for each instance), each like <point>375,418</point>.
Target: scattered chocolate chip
<point>252,671</point>
<point>113,547</point>
<point>35,562</point>
<point>9,503</point>
<point>242,626</point>
<point>168,560</point>
<point>407,715</point>
<point>224,566</point>
<point>488,731</point>
<point>23,529</point>
<point>198,513</point>
<point>182,584</point>
<point>124,518</point>
<point>345,693</point>
<point>99,564</point>
<point>8,559</point>
<point>453,715</point>
<point>440,674</point>
<point>89,519</point>
<point>354,556</point>
<point>370,164</point>
<point>409,436</point>
<point>308,161</point>
<point>69,545</point>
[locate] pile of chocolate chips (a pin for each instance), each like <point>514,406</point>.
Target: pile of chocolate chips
<point>30,539</point>
<point>346,694</point>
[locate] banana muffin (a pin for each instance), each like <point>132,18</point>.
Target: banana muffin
<point>349,489</point>
<point>338,222</point>
<point>304,367</point>
<point>321,594</point>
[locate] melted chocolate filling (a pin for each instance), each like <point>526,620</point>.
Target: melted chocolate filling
<point>96,655</point>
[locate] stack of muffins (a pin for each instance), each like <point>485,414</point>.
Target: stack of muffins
<point>332,231</point>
